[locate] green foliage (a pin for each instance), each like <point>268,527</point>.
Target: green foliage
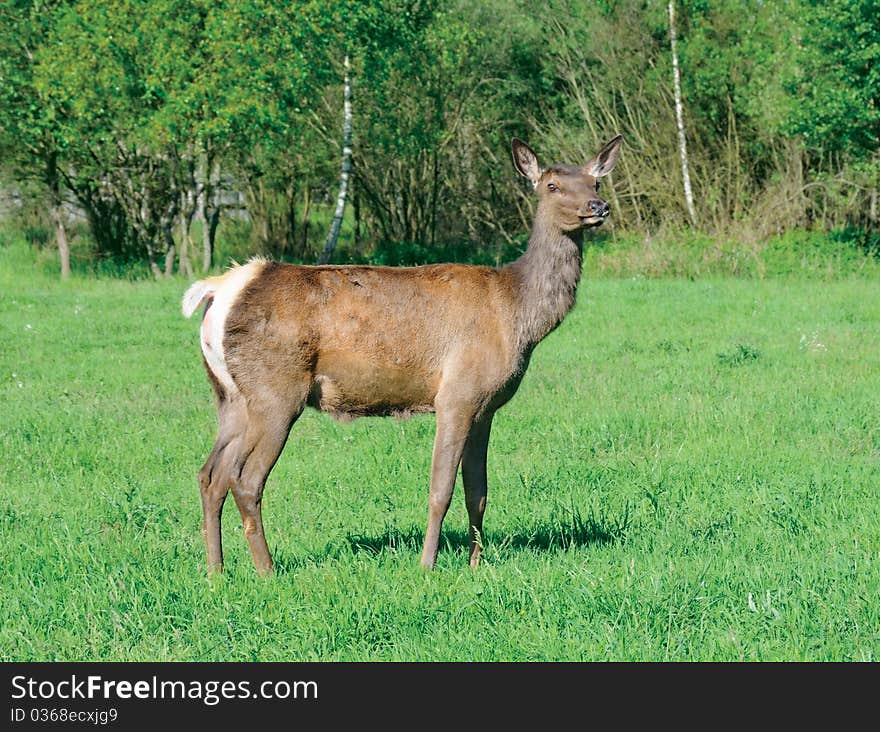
<point>757,165</point>
<point>240,102</point>
<point>838,84</point>
<point>28,125</point>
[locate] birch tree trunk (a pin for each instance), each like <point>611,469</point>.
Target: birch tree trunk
<point>679,118</point>
<point>336,225</point>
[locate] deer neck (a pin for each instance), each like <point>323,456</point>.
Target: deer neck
<point>546,278</point>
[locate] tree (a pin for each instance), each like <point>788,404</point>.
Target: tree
<point>29,130</point>
<point>151,126</point>
<point>336,224</point>
<point>837,83</point>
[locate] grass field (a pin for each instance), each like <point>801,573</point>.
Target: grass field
<point>690,471</point>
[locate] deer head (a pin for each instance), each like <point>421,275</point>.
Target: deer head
<point>569,194</point>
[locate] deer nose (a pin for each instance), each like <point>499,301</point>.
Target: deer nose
<point>599,208</point>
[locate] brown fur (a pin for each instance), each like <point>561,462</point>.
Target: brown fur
<point>370,341</point>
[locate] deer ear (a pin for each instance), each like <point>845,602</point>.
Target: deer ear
<point>605,159</point>
<point>526,162</point>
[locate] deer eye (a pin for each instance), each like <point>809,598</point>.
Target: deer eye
<point>597,186</point>
<point>552,187</point>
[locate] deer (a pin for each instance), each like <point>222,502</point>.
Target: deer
<point>360,340</point>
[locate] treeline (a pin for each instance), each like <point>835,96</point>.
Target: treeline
<point>159,118</point>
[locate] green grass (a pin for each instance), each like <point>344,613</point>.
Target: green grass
<point>690,471</point>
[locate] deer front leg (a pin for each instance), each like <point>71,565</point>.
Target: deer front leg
<point>452,432</point>
<point>473,475</point>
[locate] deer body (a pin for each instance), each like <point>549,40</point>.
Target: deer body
<point>374,341</point>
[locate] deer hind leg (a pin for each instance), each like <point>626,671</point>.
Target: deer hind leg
<point>266,435</point>
<point>473,476</point>
<point>214,480</point>
<point>215,477</point>
<point>453,425</point>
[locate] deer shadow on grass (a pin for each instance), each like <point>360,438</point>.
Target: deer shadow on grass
<point>572,529</point>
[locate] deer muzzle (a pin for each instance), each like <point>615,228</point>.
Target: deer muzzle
<point>594,213</point>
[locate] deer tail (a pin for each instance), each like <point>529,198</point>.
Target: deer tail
<point>197,294</point>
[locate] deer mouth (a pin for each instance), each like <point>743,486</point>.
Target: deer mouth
<point>591,221</point>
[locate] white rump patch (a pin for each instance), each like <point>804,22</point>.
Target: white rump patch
<point>224,290</point>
